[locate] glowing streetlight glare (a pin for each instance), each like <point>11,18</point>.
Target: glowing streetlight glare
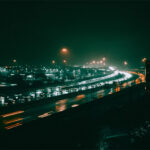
<point>93,61</point>
<point>14,61</point>
<point>125,63</point>
<point>144,60</point>
<point>64,61</point>
<point>101,62</point>
<point>53,61</point>
<point>103,58</point>
<point>64,51</point>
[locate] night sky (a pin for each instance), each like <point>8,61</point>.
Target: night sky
<point>34,32</point>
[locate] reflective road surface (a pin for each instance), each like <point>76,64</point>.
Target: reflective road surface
<point>20,117</point>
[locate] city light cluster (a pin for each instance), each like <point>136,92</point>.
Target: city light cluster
<point>108,76</point>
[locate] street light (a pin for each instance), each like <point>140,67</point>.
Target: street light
<point>64,54</point>
<point>101,62</point>
<point>144,60</point>
<point>93,61</point>
<point>53,61</point>
<point>125,63</point>
<point>64,51</point>
<point>64,61</point>
<point>104,59</point>
<point>14,61</point>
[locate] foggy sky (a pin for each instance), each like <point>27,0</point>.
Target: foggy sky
<point>34,32</point>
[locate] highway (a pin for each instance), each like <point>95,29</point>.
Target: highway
<point>20,117</point>
<point>20,97</point>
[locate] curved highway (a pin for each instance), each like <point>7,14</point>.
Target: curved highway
<point>20,117</point>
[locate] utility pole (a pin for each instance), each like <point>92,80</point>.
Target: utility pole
<point>147,76</point>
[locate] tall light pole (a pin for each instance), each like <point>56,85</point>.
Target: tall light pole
<point>14,61</point>
<point>144,60</point>
<point>64,53</point>
<point>104,61</point>
<point>147,78</point>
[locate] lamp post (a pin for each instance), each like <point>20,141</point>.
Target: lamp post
<point>14,62</point>
<point>125,63</point>
<point>144,60</point>
<point>104,58</point>
<point>64,53</point>
<point>53,62</point>
<point>93,61</point>
<point>64,61</point>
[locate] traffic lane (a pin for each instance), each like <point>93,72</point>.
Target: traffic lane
<point>61,105</point>
<point>64,104</point>
<point>49,109</point>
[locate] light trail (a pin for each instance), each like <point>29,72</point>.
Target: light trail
<point>64,104</point>
<point>115,73</point>
<point>45,114</point>
<point>13,120</point>
<point>12,114</point>
<point>13,126</point>
<point>126,76</point>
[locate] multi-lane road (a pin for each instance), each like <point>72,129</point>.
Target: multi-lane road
<point>23,116</point>
<point>19,96</point>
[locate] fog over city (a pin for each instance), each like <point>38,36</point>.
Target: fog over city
<point>33,32</point>
<point>75,74</point>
